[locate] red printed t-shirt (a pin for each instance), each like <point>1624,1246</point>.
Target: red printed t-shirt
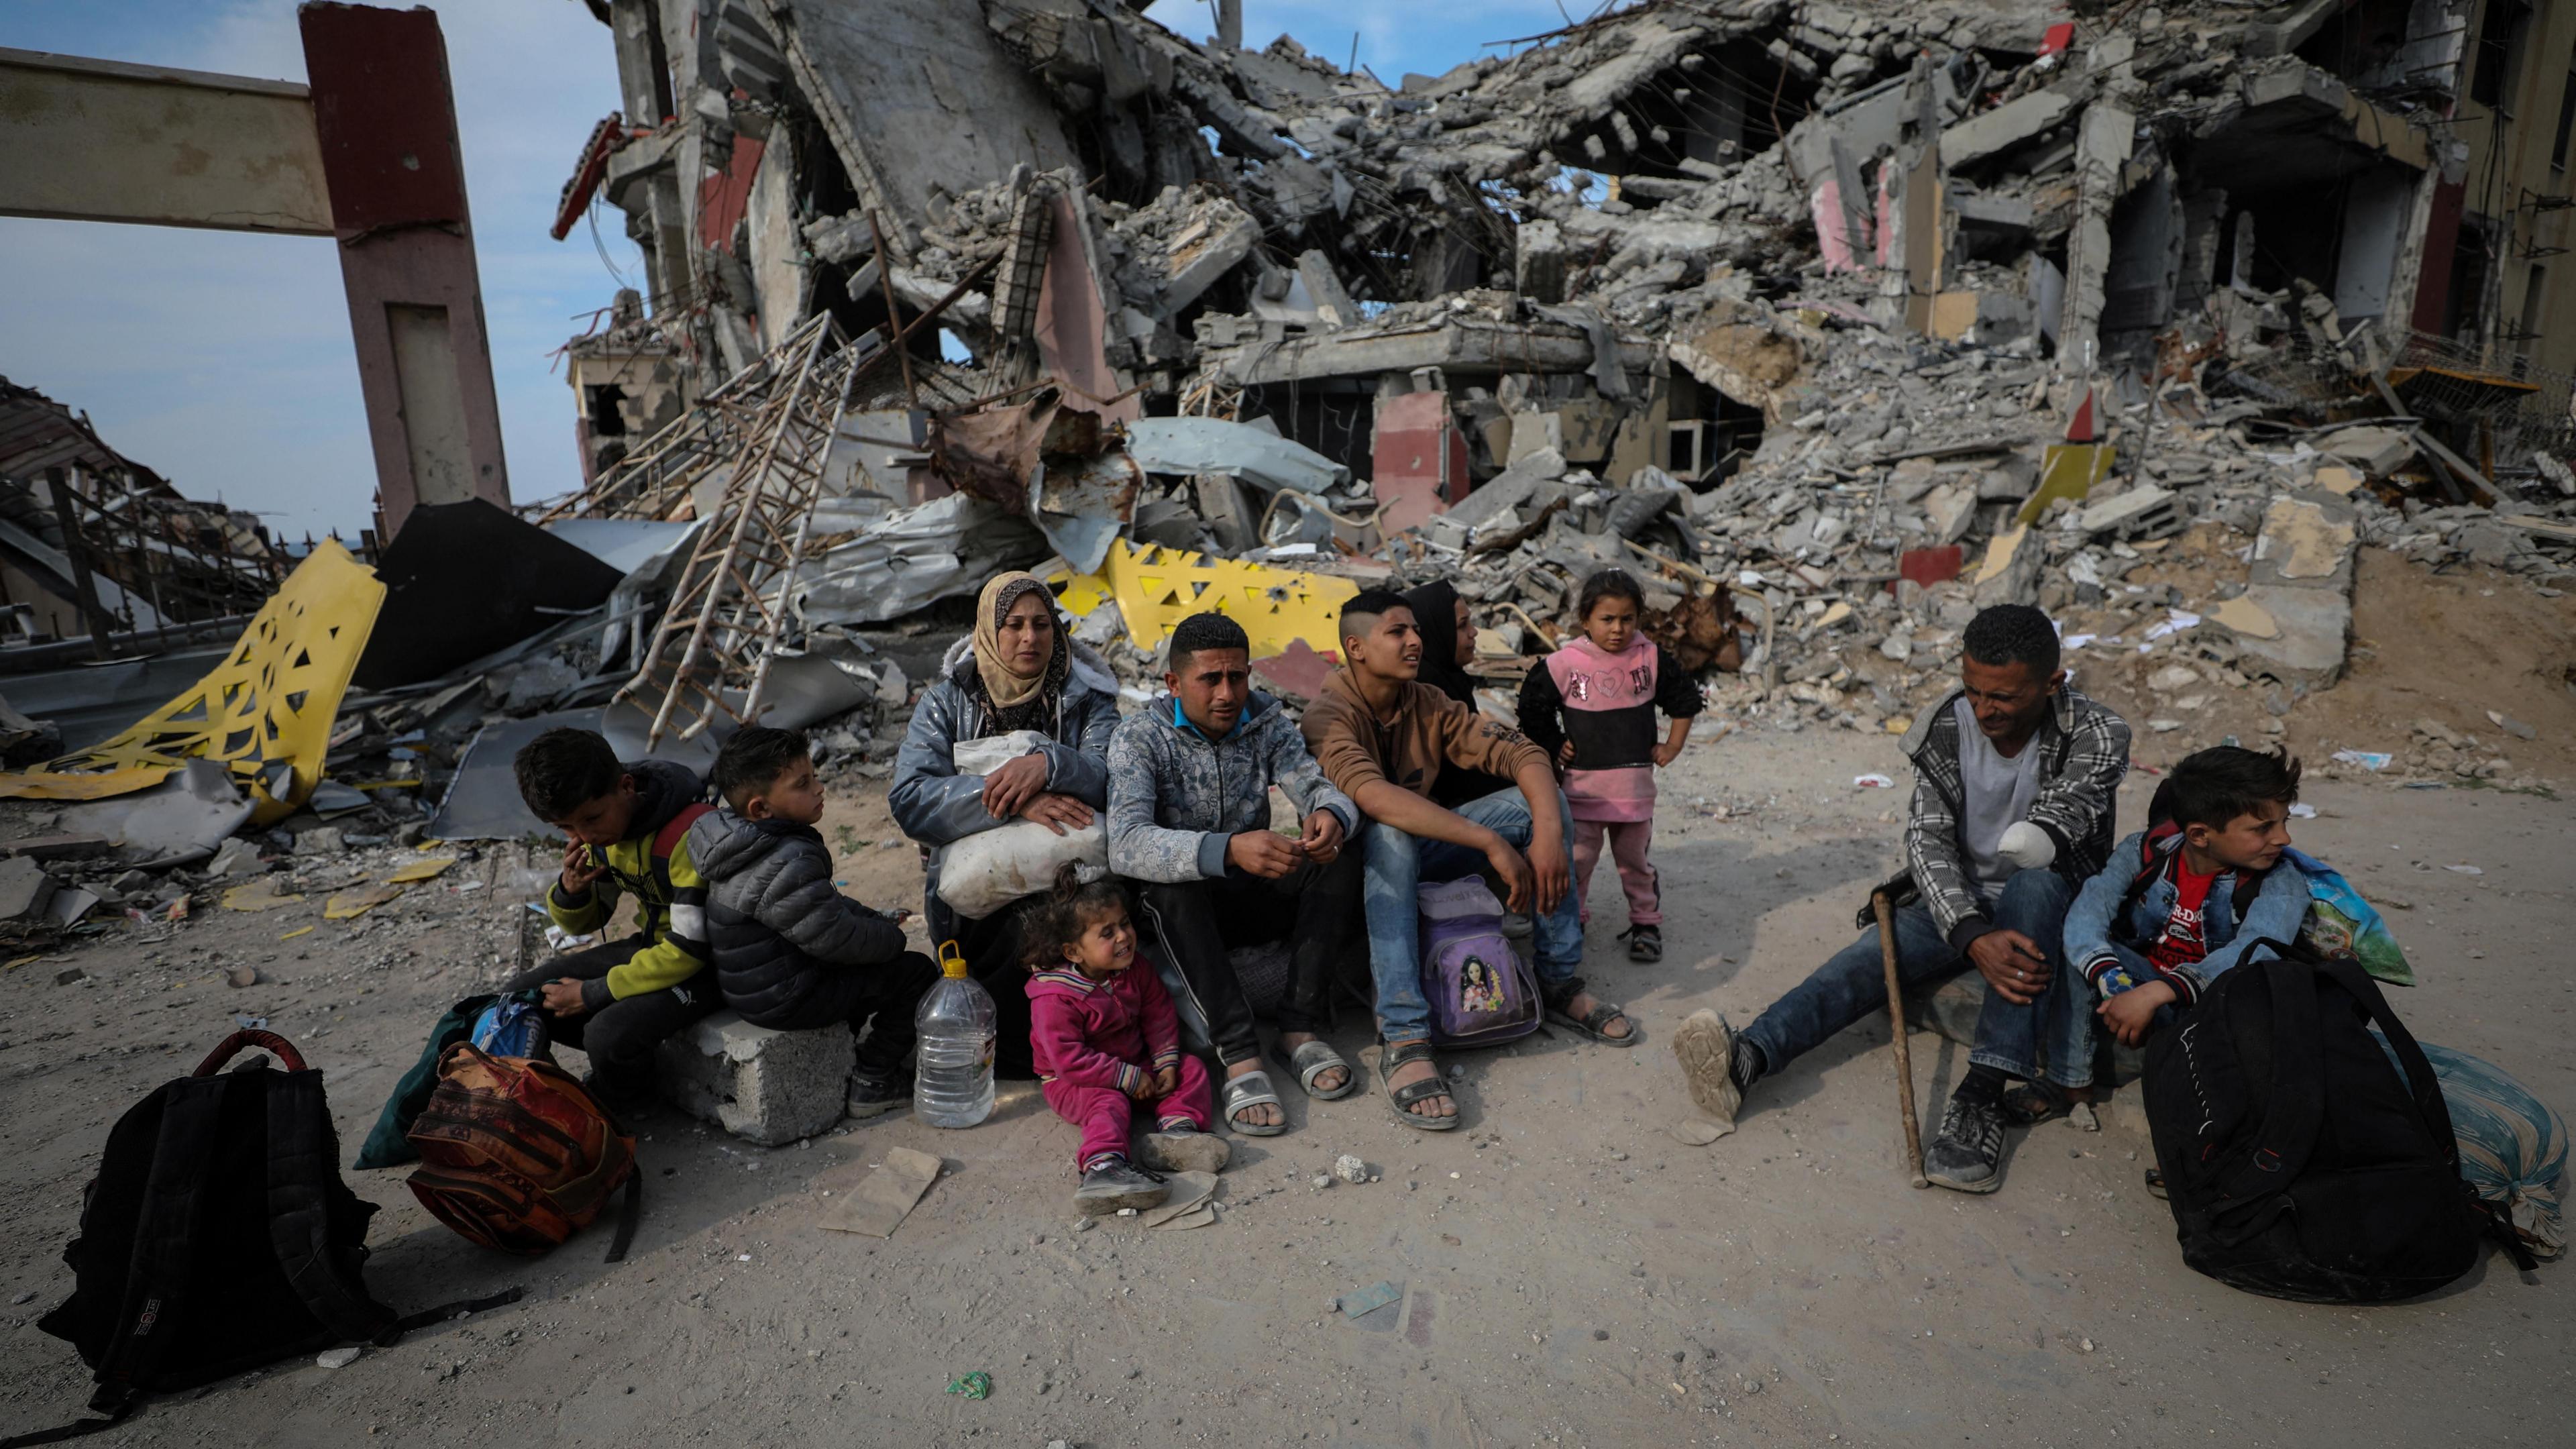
<point>2185,941</point>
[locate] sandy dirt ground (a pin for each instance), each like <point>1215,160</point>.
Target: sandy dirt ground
<point>1571,1273</point>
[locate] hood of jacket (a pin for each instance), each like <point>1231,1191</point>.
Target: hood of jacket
<point>724,845</point>
<point>1435,612</point>
<point>662,790</point>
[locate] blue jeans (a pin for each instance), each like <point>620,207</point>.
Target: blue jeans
<point>2051,1036</point>
<point>1398,862</point>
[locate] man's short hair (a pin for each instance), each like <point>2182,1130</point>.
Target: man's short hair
<point>2012,634</point>
<point>2214,786</point>
<point>1205,631</point>
<point>753,759</point>
<point>564,769</point>
<point>1368,604</point>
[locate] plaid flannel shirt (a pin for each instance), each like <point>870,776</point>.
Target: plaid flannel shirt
<point>2083,753</point>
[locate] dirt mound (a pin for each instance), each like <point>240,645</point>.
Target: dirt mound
<point>2450,647</point>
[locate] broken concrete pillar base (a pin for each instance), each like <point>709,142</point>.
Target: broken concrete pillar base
<point>769,1087</point>
<point>2313,631</point>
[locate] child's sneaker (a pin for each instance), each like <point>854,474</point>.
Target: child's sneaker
<point>1186,1150</point>
<point>1645,943</point>
<point>1111,1184</point>
<point>871,1095</point>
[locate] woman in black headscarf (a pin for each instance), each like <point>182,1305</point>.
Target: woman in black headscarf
<point>1448,641</point>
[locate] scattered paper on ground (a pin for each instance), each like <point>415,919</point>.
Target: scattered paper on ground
<point>259,895</point>
<point>876,1207</point>
<point>348,905</point>
<point>419,870</point>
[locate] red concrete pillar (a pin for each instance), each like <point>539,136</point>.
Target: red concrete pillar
<point>396,175</point>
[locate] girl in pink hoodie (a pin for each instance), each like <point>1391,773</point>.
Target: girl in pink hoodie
<point>1105,1037</point>
<point>1592,706</point>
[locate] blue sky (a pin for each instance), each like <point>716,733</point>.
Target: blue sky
<point>222,360</point>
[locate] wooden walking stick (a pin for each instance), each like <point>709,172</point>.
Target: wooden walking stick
<point>1896,1033</point>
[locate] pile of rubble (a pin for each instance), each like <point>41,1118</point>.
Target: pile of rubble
<point>1871,315</point>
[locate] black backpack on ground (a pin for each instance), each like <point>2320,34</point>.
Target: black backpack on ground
<point>218,1237</point>
<point>2297,1162</point>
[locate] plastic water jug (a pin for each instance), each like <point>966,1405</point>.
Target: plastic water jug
<point>952,1084</point>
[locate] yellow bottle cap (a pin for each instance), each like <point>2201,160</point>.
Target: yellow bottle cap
<point>952,961</point>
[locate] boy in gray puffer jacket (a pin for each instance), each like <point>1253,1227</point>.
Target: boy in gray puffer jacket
<point>792,953</point>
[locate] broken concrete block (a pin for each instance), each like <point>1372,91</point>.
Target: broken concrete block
<point>24,889</point>
<point>2005,126</point>
<point>2142,512</point>
<point>2375,450</point>
<point>2010,573</point>
<point>769,1087</point>
<point>1951,507</point>
<point>2304,540</point>
<point>2246,619</point>
<point>2314,632</point>
<point>1508,489</point>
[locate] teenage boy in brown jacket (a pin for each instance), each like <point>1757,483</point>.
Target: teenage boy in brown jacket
<point>1383,739</point>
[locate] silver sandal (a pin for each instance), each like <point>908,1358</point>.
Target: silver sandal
<point>1252,1089</point>
<point>1311,1060</point>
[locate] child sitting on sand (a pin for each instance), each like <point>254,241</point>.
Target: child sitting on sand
<point>1104,1035</point>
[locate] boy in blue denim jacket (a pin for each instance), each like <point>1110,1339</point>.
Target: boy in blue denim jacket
<point>2187,898</point>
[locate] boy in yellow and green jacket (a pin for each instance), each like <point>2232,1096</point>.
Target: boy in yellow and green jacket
<point>629,827</point>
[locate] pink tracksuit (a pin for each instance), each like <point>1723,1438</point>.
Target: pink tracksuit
<point>1606,704</point>
<point>1095,1040</point>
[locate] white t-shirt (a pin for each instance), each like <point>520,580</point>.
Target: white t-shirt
<point>1997,793</point>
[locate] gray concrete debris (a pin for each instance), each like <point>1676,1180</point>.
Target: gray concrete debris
<point>1847,323</point>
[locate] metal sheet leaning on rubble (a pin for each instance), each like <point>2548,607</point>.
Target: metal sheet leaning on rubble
<point>1156,588</point>
<point>265,712</point>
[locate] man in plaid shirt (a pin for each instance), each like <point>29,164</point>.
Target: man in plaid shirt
<point>2013,800</point>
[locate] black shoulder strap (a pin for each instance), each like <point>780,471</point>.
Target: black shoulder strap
<point>629,1212</point>
<point>2421,1084</point>
<point>2290,1120</point>
<point>301,1160</point>
<point>443,1312</point>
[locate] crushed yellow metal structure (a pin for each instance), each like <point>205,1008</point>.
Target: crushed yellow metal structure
<point>1156,588</point>
<point>265,713</point>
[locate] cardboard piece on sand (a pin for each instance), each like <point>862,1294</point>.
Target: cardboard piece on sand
<point>876,1207</point>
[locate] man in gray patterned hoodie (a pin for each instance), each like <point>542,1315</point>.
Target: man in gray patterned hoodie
<point>1189,821</point>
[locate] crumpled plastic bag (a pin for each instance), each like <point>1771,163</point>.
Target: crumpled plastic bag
<point>990,869</point>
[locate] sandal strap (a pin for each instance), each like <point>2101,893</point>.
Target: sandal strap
<point>1407,1095</point>
<point>1241,1092</point>
<point>1312,1060</point>
<point>1398,1054</point>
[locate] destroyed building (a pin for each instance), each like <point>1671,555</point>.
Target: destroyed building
<point>1803,302</point>
<point>95,546</point>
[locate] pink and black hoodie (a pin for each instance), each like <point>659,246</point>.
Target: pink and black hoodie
<point>1606,704</point>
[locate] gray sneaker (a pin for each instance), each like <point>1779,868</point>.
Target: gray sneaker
<point>1114,1184</point>
<point>1968,1155</point>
